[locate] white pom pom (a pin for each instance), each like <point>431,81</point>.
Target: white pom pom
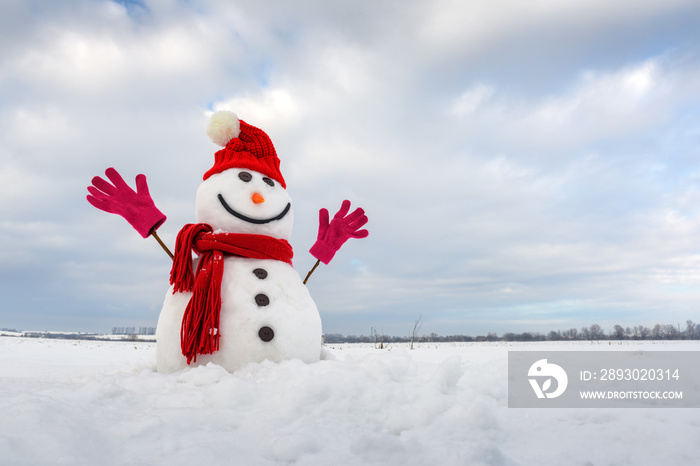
<point>223,126</point>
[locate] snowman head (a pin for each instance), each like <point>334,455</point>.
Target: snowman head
<point>244,192</point>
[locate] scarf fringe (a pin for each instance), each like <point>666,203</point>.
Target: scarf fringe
<point>199,333</point>
<point>181,276</point>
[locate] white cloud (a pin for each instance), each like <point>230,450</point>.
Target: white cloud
<point>602,97</point>
<point>472,99</point>
<point>267,108</point>
<point>451,24</point>
<point>17,183</point>
<point>38,130</point>
<point>503,171</point>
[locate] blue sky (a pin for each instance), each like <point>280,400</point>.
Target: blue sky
<point>525,166</point>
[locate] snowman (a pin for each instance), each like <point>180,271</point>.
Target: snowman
<point>234,297</point>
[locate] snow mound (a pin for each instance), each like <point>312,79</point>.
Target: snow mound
<point>103,403</point>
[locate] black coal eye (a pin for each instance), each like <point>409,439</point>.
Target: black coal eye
<point>269,181</point>
<point>245,176</point>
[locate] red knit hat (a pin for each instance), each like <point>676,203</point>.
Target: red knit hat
<point>245,146</point>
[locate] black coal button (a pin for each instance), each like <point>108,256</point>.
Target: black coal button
<point>262,300</point>
<point>266,334</point>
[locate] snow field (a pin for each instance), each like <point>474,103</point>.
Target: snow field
<point>87,402</point>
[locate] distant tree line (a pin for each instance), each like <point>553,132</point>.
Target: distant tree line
<point>691,331</point>
<point>78,335</point>
<point>133,331</point>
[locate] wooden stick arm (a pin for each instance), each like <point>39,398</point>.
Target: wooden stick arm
<point>311,271</point>
<point>162,245</point>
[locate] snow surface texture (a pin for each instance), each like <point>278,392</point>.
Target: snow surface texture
<point>290,311</point>
<point>87,403</point>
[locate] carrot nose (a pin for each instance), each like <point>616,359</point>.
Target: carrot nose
<point>258,199</point>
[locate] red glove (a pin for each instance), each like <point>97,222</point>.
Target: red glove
<point>118,198</point>
<point>331,236</point>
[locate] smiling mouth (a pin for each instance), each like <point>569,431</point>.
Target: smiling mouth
<point>253,220</point>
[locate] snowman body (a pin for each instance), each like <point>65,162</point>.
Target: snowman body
<point>267,312</point>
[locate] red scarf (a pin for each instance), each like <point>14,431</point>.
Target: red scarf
<point>199,333</point>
